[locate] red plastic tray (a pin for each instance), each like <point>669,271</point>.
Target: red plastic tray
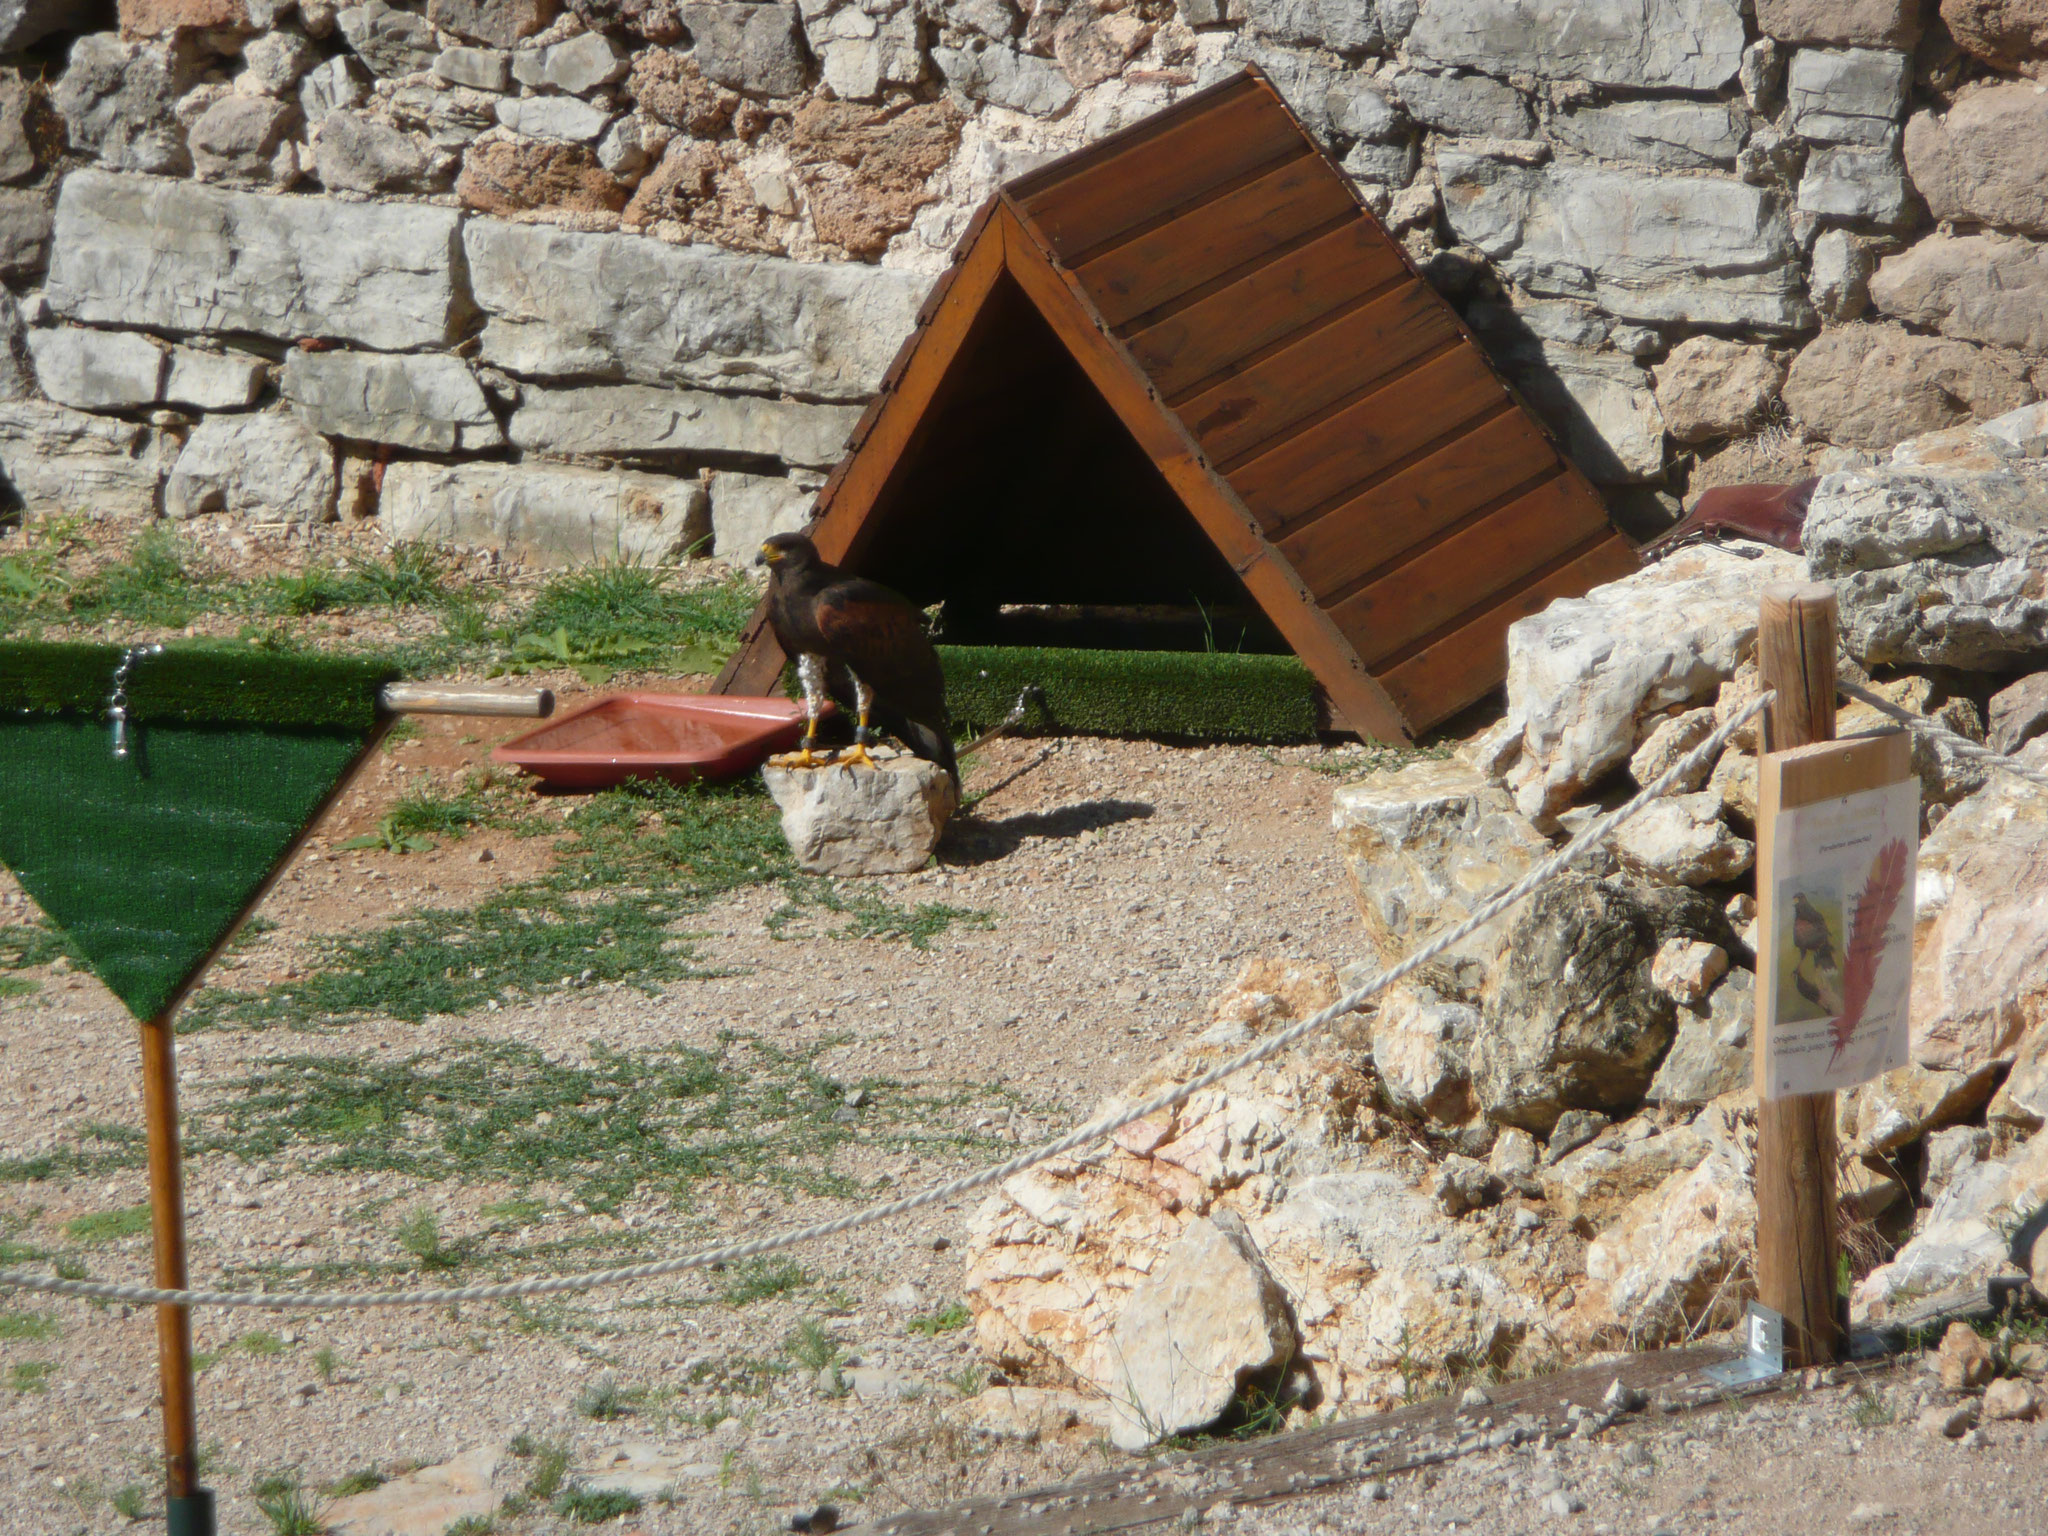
<point>674,736</point>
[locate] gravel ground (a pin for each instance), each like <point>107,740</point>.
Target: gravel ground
<point>1127,883</point>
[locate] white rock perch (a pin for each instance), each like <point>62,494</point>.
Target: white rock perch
<point>849,820</point>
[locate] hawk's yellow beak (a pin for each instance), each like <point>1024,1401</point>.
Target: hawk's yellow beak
<point>768,556</point>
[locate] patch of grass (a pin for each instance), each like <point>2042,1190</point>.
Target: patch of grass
<point>952,1316</point>
<point>22,946</point>
<point>869,915</point>
<point>472,1525</point>
<point>362,1480</point>
<point>130,1501</point>
<point>1869,1410</point>
<point>419,1234</point>
<point>811,1346</point>
<point>30,1375</point>
<point>158,586</point>
<point>27,1327</point>
<point>761,1279</point>
<point>388,839</point>
<point>323,1362</point>
<point>262,1344</point>
<point>968,1380</point>
<point>550,1466</point>
<point>18,986</point>
<point>594,617</point>
<point>604,1399</point>
<point>501,1111</point>
<point>423,812</point>
<point>291,1511</point>
<point>108,1226</point>
<point>589,1506</point>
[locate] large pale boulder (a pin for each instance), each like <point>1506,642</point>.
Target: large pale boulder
<point>1705,250</point>
<point>1673,1263</point>
<point>1932,568</point>
<point>429,401</point>
<point>1681,840</point>
<point>269,466</point>
<point>1589,677</point>
<point>1986,1223</point>
<point>1420,1044</point>
<point>1981,162</point>
<point>2019,713</point>
<point>1902,1106</point>
<point>1591,1185</point>
<point>635,420</point>
<point>416,1503</point>
<point>1873,385</point>
<point>850,820</point>
<point>2009,34</point>
<point>1710,387</point>
<point>1424,844</point>
<point>66,461</point>
<point>1682,45</point>
<point>1206,1323</point>
<point>548,514</point>
<point>1573,1019</point>
<point>663,314</point>
<point>1980,950</point>
<point>1710,1054</point>
<point>179,256</point>
<point>1984,287</point>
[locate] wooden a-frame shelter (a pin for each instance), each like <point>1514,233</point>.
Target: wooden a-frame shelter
<point>1188,360</point>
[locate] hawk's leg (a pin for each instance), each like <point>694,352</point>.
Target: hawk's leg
<point>864,699</point>
<point>810,671</point>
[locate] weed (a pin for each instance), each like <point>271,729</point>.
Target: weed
<point>869,916</point>
<point>270,1484</point>
<point>968,1380</point>
<point>30,1375</point>
<point>424,813</point>
<point>550,1466</point>
<point>591,660</point>
<point>590,1506</point>
<point>603,1400</point>
<point>130,1501</point>
<point>811,1346</point>
<point>1869,1410</point>
<point>388,838</point>
<point>262,1344</point>
<point>291,1511</point>
<point>761,1279</point>
<point>949,1317</point>
<point>27,1327</point>
<point>22,947</point>
<point>419,1234</point>
<point>156,586</point>
<point>471,1525</point>
<point>362,1480</point>
<point>323,1362</point>
<point>588,618</point>
<point>18,986</point>
<point>108,1226</point>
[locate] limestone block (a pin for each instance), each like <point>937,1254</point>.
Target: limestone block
<point>1471,106</point>
<point>851,820</point>
<point>861,48</point>
<point>267,467</point>
<point>1864,23</point>
<point>670,315</point>
<point>390,41</point>
<point>746,510</point>
<point>1681,840</point>
<point>1983,287</point>
<point>1873,385</point>
<point>2022,1099</point>
<point>1848,95</point>
<point>339,82</point>
<point>554,117</point>
<point>481,69</point>
<point>754,48</point>
<point>583,63</point>
<point>23,22</point>
<point>621,420</point>
<point>494,23</point>
<point>1003,77</point>
<point>17,148</point>
<point>428,1500</point>
<point>1587,673</point>
<point>1603,405</point>
<point>511,175</point>
<point>1710,1054</point>
<point>1933,569</point>
<point>1593,1183</point>
<point>548,515</point>
<point>1574,1022</point>
<point>1464,1184</point>
<point>1948,1153</point>
<point>1967,1236</point>
<point>1668,741</point>
<point>1682,45</point>
<point>118,103</point>
<point>2019,713</point>
<point>1358,111</point>
<point>1844,182</point>
<point>237,139</point>
<point>65,461</point>
<point>1901,1106</point>
<point>185,257</point>
<point>1419,1045</point>
<point>1342,26</point>
<point>2007,34</point>
<point>213,381</point>
<point>97,370</point>
<point>2012,1399</point>
<point>429,401</point>
<point>1838,276</point>
<point>1981,163</point>
<point>355,152</point>
<point>1703,249</point>
<point>274,63</point>
<point>1709,387</point>
<point>1685,970</point>
<point>1424,844</point>
<point>1672,135</point>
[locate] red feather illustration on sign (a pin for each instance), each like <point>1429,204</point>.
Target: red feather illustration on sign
<point>1875,905</point>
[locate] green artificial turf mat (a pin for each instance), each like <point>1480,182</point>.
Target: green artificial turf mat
<point>209,684</point>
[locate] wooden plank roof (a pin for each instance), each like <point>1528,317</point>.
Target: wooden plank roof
<point>1323,413</point>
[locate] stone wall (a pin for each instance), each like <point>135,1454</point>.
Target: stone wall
<point>596,277</point>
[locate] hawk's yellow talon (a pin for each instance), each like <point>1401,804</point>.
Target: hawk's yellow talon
<point>857,753</point>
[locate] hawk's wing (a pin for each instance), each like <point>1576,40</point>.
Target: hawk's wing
<point>881,638</point>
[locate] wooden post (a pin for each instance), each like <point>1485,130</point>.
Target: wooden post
<point>189,1507</point>
<point>1795,1137</point>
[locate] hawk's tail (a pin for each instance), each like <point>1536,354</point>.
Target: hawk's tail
<point>934,746</point>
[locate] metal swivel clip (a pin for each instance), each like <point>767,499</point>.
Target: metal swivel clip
<point>117,701</point>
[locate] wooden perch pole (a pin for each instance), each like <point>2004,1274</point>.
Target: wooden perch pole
<point>1795,1136</point>
<point>188,1506</point>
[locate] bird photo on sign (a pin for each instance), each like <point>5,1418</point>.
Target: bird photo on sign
<point>1837,958</point>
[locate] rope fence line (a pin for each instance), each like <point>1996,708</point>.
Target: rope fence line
<point>1082,1136</point>
<point>1957,743</point>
